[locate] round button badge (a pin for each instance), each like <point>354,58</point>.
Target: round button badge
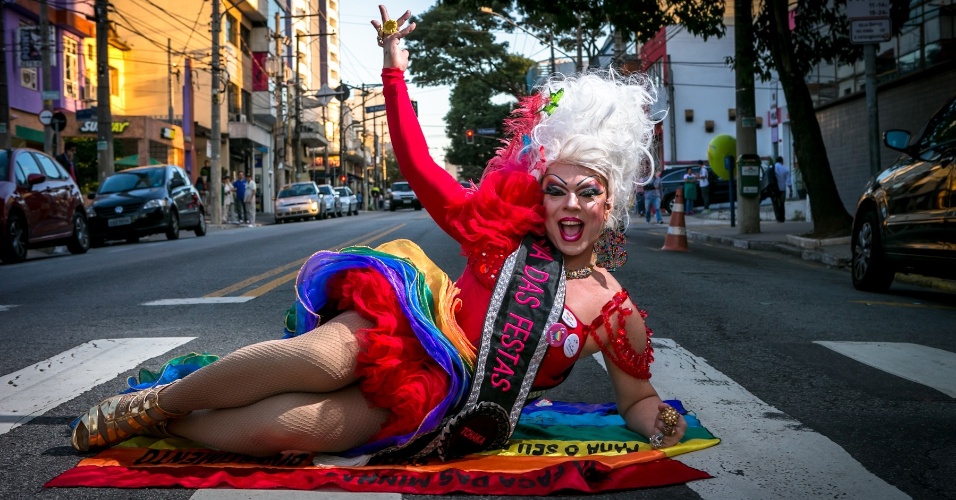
<point>556,335</point>
<point>571,345</point>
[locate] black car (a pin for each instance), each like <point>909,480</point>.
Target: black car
<point>719,192</point>
<point>906,219</point>
<point>141,201</point>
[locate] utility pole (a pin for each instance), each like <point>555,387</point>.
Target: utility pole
<point>215,167</point>
<point>4,87</point>
<point>672,123</point>
<point>169,78</point>
<point>280,126</point>
<point>746,109</point>
<point>48,146</point>
<point>104,114</point>
<point>296,132</point>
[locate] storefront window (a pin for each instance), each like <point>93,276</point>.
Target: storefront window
<point>159,151</point>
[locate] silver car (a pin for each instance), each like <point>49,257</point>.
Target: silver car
<point>299,201</point>
<point>349,200</point>
<point>330,198</point>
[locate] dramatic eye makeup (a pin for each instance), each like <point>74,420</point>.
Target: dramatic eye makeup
<point>589,187</point>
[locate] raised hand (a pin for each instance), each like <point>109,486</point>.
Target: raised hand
<point>390,33</point>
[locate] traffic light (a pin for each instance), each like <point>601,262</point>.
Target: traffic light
<point>469,136</point>
<point>342,179</point>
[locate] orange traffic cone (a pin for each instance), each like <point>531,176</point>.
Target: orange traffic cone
<point>676,239</point>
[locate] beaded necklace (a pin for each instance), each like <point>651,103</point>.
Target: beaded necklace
<point>577,274</point>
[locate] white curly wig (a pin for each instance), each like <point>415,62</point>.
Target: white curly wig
<point>601,122</point>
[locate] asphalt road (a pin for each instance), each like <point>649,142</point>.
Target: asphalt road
<point>782,359</point>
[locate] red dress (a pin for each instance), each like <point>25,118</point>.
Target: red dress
<point>489,223</point>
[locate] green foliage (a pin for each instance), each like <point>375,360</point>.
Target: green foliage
<point>452,43</point>
<point>472,108</point>
<point>821,34</point>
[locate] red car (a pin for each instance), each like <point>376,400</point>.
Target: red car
<point>42,206</point>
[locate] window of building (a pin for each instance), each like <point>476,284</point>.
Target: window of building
<point>232,30</point>
<point>71,68</point>
<point>333,22</point>
<point>246,105</point>
<point>245,34</point>
<point>233,101</point>
<point>114,81</point>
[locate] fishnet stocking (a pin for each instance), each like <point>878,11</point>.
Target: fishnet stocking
<point>329,423</point>
<point>319,361</point>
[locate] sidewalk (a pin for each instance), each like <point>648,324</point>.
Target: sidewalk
<point>784,237</point>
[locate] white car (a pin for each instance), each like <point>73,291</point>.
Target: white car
<point>300,200</point>
<point>333,205</point>
<point>403,197</point>
<point>349,200</point>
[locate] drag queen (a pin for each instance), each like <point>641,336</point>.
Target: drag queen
<point>388,355</point>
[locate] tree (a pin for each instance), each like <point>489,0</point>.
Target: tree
<point>453,42</point>
<point>820,34</point>
<point>472,108</point>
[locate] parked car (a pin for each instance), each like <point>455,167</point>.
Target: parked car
<point>673,179</point>
<point>905,220</point>
<point>403,197</point>
<point>300,200</point>
<point>141,201</point>
<point>42,206</point>
<point>333,204</point>
<point>349,200</point>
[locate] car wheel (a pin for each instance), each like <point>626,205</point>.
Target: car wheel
<point>667,204</point>
<point>201,228</point>
<point>391,207</point>
<point>80,241</point>
<point>15,247</point>
<point>172,232</point>
<point>870,271</point>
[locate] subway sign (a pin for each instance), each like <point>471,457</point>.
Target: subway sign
<point>92,126</point>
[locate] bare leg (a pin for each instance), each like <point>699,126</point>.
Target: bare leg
<point>328,423</point>
<point>322,360</point>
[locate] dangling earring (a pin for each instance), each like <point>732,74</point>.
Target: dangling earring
<point>610,249</point>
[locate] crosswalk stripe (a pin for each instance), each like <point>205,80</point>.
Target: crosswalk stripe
<point>763,452</point>
<point>289,495</point>
<point>36,389</point>
<point>198,300</point>
<point>925,365</point>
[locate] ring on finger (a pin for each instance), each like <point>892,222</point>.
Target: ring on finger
<point>390,27</point>
<point>657,440</point>
<point>670,430</point>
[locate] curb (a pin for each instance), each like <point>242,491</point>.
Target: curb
<point>815,254</point>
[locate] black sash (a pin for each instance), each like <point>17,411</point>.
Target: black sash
<point>528,298</point>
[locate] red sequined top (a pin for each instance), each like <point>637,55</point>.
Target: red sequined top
<point>488,223</point>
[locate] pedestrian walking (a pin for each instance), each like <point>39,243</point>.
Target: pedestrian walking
<point>652,199</point>
<point>703,180</point>
<point>778,198</point>
<point>202,188</point>
<point>240,185</point>
<point>690,191</point>
<point>638,207</point>
<point>67,161</point>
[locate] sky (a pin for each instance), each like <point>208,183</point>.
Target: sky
<point>361,61</point>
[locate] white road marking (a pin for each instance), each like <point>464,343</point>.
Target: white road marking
<point>763,453</point>
<point>6,308</point>
<point>36,389</point>
<point>929,366</point>
<point>225,494</point>
<point>199,300</point>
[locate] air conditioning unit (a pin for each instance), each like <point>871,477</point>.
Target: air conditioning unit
<point>88,93</point>
<point>242,118</point>
<point>28,78</point>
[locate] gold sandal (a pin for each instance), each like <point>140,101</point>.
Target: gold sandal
<point>119,417</point>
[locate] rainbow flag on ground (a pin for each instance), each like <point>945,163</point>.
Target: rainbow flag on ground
<point>556,447</point>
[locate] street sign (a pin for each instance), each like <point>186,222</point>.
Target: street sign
<point>870,30</point>
<point>49,95</point>
<point>375,109</point>
<point>864,9</point>
<point>59,121</point>
<point>83,115</point>
<point>487,131</point>
<point>46,116</point>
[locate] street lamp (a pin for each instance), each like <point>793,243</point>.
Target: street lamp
<point>549,42</point>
